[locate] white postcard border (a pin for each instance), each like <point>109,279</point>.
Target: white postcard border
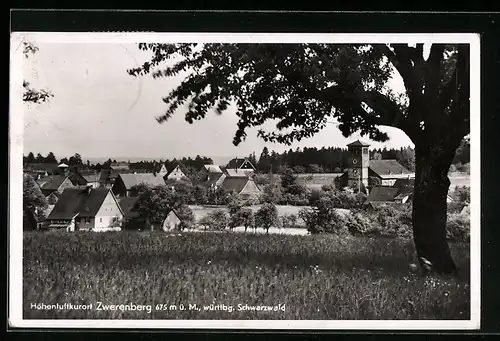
<point>16,130</point>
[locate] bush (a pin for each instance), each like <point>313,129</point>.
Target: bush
<point>217,220</point>
<point>295,200</point>
<point>360,223</point>
<point>461,194</point>
<point>314,197</point>
<point>323,218</point>
<point>186,216</point>
<point>455,207</point>
<point>348,200</point>
<point>388,221</point>
<point>289,221</point>
<point>267,217</point>
<point>272,193</point>
<point>328,188</point>
<point>458,227</point>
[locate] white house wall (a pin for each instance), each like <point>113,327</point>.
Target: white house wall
<point>388,182</point>
<point>176,174</point>
<point>170,222</point>
<point>250,188</point>
<point>109,210</point>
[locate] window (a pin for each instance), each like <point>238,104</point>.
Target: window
<point>100,220</point>
<point>365,151</point>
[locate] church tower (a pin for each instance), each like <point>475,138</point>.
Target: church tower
<point>359,161</point>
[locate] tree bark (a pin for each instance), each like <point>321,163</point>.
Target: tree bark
<point>430,204</point>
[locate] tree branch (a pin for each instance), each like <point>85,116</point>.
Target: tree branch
<point>401,60</point>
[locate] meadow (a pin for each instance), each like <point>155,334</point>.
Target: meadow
<point>307,277</point>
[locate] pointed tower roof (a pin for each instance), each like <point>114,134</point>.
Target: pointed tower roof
<point>358,143</point>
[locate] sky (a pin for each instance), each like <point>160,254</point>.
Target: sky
<point>100,111</point>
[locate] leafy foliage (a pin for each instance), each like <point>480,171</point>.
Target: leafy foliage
<point>216,220</point>
<point>30,94</point>
<point>267,217</point>
<point>186,216</point>
<point>272,193</point>
<point>34,203</point>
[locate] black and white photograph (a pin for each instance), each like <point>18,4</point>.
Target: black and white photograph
<point>277,181</point>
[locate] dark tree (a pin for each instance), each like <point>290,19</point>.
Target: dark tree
<point>51,158</point>
<point>30,158</point>
<point>34,203</point>
<point>302,86</point>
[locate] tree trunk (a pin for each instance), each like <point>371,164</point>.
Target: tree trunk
<point>430,205</point>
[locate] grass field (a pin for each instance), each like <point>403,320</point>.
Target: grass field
<point>309,277</point>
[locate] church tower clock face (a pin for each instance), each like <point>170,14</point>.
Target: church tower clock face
<point>354,161</point>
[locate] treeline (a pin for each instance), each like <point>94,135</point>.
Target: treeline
<point>73,161</point>
<point>335,159</point>
<point>325,160</point>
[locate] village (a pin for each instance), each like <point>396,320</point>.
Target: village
<point>103,201</point>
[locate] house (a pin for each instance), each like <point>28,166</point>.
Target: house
<point>86,209</point>
<point>162,171</point>
<point>171,222</point>
<point>54,183</point>
<point>132,220</point>
<point>240,163</point>
<point>244,187</point>
<point>388,171</point>
<point>176,174</point>
<point>213,168</point>
<point>92,178</point>
<point>125,182</point>
<point>239,167</point>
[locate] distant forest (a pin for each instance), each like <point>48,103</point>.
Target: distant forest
<point>306,160</point>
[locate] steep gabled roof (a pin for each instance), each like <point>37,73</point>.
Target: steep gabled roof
<point>131,180</point>
<point>51,182</point>
<point>237,173</point>
<point>389,168</point>
<point>238,163</point>
<point>181,167</point>
<point>383,194</point>
<point>212,179</point>
<point>77,179</point>
<point>358,143</point>
<point>94,177</point>
<point>401,183</point>
<point>78,201</point>
<point>234,184</point>
<point>213,168</point>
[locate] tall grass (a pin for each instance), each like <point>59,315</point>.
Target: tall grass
<point>315,277</point>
